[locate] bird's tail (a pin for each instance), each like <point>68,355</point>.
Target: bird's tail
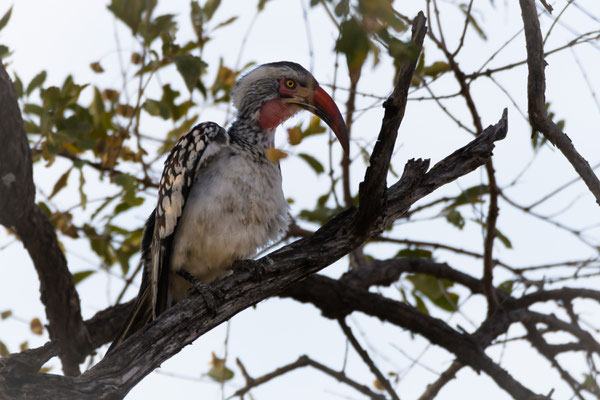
<point>140,316</point>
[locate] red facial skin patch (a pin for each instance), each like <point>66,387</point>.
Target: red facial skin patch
<point>274,112</point>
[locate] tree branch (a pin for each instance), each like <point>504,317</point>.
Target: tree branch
<point>302,361</point>
<point>372,191</point>
<point>19,213</point>
<point>536,94</point>
<point>367,359</point>
<point>117,373</point>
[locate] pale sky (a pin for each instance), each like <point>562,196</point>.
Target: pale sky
<point>64,37</point>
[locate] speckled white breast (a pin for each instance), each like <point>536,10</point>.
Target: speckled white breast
<point>235,207</point>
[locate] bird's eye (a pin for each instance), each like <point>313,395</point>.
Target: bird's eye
<point>290,84</point>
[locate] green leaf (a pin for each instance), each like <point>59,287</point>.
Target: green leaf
<point>163,24</point>
<point>60,183</point>
<point>228,21</point>
<point>5,18</point>
<point>435,290</point>
<point>342,8</point>
<point>123,258</point>
<point>30,108</point>
<point>471,195</point>
<point>420,304</point>
<point>191,68</point>
<point>448,301</point>
<point>415,252</point>
<point>36,82</point>
<point>315,127</point>
<point>219,371</point>
<point>156,108</point>
<point>455,218</point>
<point>18,85</point>
<point>261,4</point>
<point>4,51</point>
<point>81,275</point>
<point>313,162</point>
<point>435,69</point>
<point>74,126</point>
<point>126,205</point>
<point>97,108</point>
<point>82,194</point>
<point>45,209</point>
<point>210,7</point>
<point>197,18</point>
<point>590,383</point>
<point>354,44</point>
<point>320,214</point>
<point>401,51</point>
<point>505,241</point>
<point>499,235</point>
<point>130,11</point>
<point>382,11</point>
<point>473,22</point>
<point>426,284</point>
<point>506,286</point>
<point>3,349</point>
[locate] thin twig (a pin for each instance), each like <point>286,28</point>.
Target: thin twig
<point>367,359</point>
<point>302,361</point>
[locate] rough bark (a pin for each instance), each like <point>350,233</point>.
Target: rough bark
<point>115,375</point>
<point>20,214</point>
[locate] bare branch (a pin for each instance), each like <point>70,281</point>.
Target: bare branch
<point>302,361</point>
<point>367,359</point>
<point>372,190</point>
<point>536,93</point>
<point>433,389</point>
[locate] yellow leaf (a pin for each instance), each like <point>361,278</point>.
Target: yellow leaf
<point>274,155</point>
<point>3,350</point>
<point>378,385</point>
<point>125,110</point>
<point>96,67</point>
<point>110,95</point>
<point>36,326</point>
<point>5,314</point>
<point>60,183</point>
<point>71,148</point>
<point>294,135</point>
<point>219,372</point>
<point>136,58</point>
<point>24,346</point>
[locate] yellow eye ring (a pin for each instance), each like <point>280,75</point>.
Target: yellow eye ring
<point>290,84</point>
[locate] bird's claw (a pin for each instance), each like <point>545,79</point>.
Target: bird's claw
<point>256,269</point>
<point>212,296</point>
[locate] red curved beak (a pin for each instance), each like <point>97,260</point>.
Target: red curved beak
<point>327,110</point>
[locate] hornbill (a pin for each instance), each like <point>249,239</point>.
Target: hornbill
<point>220,197</point>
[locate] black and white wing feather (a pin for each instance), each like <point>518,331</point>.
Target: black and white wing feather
<point>188,156</point>
<point>191,152</point>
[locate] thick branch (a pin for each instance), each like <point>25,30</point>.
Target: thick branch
<point>19,213</point>
<point>536,94</point>
<point>115,375</point>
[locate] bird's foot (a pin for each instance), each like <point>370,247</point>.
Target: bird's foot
<point>256,269</point>
<point>212,296</point>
